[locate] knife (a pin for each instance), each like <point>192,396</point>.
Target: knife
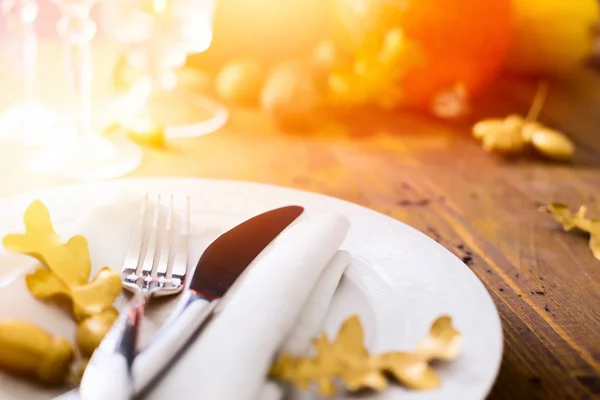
<point>219,267</point>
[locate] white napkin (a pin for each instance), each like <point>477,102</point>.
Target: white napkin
<point>310,322</point>
<point>233,355</point>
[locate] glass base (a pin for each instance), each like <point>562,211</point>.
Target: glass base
<point>185,114</point>
<point>87,159</point>
<point>30,123</point>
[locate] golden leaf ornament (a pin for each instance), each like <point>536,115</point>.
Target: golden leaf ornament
<point>562,214</point>
<point>345,364</point>
<point>64,275</point>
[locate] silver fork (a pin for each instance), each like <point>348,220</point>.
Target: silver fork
<point>147,272</point>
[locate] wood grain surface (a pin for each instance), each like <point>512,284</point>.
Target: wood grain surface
<point>432,175</point>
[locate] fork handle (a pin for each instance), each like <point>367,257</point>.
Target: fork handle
<point>173,336</point>
<point>108,374</point>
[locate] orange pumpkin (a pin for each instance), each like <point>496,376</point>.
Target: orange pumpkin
<point>461,42</point>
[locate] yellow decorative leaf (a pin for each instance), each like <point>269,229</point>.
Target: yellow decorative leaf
<point>514,133</point>
<point>75,257</point>
<point>562,214</point>
<point>365,378</point>
<point>97,295</point>
<point>583,223</point>
<point>351,337</point>
<point>326,357</point>
<point>443,342</point>
<point>66,273</point>
<point>345,360</point>
<point>43,284</point>
<point>502,136</point>
<point>326,388</point>
<point>411,370</point>
<point>70,262</point>
<point>91,330</point>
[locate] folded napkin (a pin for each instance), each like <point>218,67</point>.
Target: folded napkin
<point>233,355</point>
<point>310,321</point>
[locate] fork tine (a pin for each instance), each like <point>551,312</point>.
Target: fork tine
<point>179,268</point>
<point>165,243</point>
<point>147,266</point>
<point>134,250</point>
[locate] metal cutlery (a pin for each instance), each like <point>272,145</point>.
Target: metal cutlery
<point>147,271</point>
<point>218,268</point>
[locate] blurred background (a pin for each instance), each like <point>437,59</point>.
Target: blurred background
<point>149,71</point>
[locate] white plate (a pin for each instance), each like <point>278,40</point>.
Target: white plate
<point>398,282</point>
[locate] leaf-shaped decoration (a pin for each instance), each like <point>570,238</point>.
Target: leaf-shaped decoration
<point>43,284</point>
<point>411,370</point>
<point>70,262</point>
<point>65,274</point>
<point>67,265</point>
<point>351,338</point>
<point>346,360</point>
<point>91,330</point>
<point>514,133</point>
<point>562,214</point>
<point>96,296</point>
<point>443,342</point>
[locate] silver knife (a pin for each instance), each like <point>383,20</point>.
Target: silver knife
<point>218,268</point>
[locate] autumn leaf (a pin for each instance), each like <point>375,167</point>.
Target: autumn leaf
<point>411,370</point>
<point>70,262</point>
<point>98,295</point>
<point>346,360</point>
<point>43,284</point>
<point>562,214</point>
<point>443,342</point>
<point>65,273</point>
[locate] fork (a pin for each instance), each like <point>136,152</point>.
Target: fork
<point>108,373</point>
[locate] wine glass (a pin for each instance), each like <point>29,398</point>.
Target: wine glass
<point>157,36</point>
<point>87,155</point>
<point>27,122</point>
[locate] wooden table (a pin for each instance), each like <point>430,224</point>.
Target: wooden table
<point>432,175</point>
<point>435,177</point>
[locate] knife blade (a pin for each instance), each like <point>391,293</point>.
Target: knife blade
<point>220,265</point>
<point>218,268</point>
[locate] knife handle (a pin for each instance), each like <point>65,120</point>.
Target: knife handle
<point>171,338</point>
<point>108,373</point>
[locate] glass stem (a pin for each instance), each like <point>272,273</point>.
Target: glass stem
<point>20,16</point>
<point>79,64</point>
<point>29,49</point>
<point>77,31</point>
